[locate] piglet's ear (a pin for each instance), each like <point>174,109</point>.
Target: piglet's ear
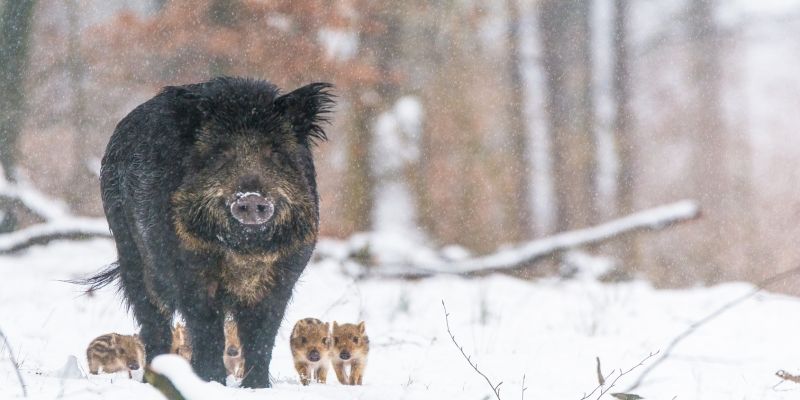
<point>306,109</point>
<point>361,327</point>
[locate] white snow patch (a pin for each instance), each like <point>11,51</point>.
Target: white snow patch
<point>551,330</point>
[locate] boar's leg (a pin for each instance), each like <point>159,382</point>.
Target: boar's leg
<point>205,320</point>
<point>258,326</point>
<point>156,329</point>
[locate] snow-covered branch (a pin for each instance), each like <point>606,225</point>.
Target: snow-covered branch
<point>62,229</point>
<point>32,200</point>
<point>58,223</point>
<point>528,253</point>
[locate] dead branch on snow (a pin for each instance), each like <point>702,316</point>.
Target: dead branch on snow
<point>474,365</point>
<point>529,253</point>
<point>14,363</point>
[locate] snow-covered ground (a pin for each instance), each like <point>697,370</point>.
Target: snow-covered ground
<point>548,330</point>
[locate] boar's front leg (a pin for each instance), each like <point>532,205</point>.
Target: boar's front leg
<point>257,329</point>
<point>258,326</point>
<point>205,320</point>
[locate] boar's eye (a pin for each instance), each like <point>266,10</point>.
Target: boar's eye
<point>355,339</point>
<point>303,340</point>
<point>122,351</point>
<point>336,340</point>
<point>325,341</point>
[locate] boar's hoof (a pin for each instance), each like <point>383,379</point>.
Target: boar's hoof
<point>256,380</point>
<point>252,209</point>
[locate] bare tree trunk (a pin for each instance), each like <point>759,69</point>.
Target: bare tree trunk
<point>423,60</point>
<point>359,182</point>
<point>15,27</point>
<point>623,134</point>
<point>82,177</point>
<point>519,203</point>
<point>710,181</point>
<point>567,63</point>
<point>380,46</point>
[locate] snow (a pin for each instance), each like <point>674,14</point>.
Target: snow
<point>550,330</point>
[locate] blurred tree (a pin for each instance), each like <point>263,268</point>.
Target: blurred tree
<point>566,40</point>
<point>82,177</point>
<point>379,32</point>
<point>466,170</point>
<point>14,40</point>
<point>710,181</point>
<point>625,142</point>
<point>519,201</point>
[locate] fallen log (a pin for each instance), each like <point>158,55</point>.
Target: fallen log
<point>62,229</point>
<point>529,253</point>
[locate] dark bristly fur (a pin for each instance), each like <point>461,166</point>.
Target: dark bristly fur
<point>170,178</point>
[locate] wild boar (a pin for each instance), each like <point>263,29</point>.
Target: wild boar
<point>210,193</point>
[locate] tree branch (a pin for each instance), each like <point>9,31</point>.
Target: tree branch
<point>529,253</point>
<point>474,365</point>
<point>63,229</point>
<point>604,389</point>
<point>163,384</point>
<point>14,363</point>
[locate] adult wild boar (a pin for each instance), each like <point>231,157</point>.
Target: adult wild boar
<point>210,193</point>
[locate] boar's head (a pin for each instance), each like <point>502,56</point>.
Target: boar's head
<point>249,183</point>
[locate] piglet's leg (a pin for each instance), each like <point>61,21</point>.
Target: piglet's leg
<point>302,370</point>
<point>338,368</point>
<point>322,374</point>
<point>356,372</point>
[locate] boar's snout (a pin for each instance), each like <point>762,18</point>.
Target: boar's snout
<point>133,365</point>
<point>233,351</point>
<point>344,355</point>
<point>313,356</point>
<point>252,209</point>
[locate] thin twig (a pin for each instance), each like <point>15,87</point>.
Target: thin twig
<point>14,362</point>
<point>586,396</point>
<point>725,307</point>
<point>600,379</point>
<point>523,387</point>
<point>495,388</point>
<point>604,389</point>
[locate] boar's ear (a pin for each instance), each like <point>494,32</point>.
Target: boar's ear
<point>306,110</point>
<point>189,108</point>
<point>335,325</point>
<point>361,327</point>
